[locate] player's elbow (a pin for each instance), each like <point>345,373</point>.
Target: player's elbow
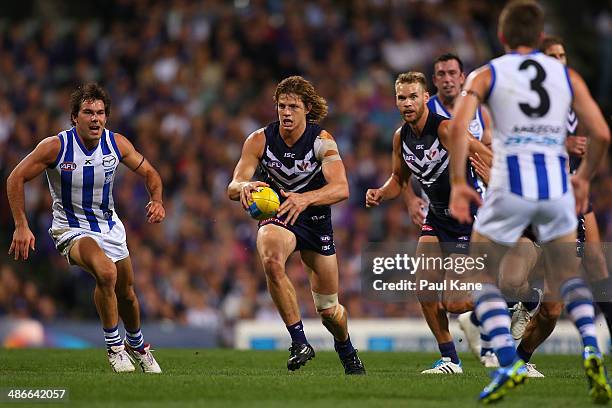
<point>343,192</point>
<point>605,135</point>
<point>13,179</point>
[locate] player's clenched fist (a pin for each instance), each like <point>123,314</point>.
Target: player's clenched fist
<point>247,189</point>
<point>374,197</point>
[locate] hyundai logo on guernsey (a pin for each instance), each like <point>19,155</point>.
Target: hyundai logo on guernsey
<point>68,166</point>
<point>109,161</point>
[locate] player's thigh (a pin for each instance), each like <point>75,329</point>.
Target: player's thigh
<point>517,264</point>
<point>322,271</point>
<point>125,275</point>
<point>87,254</point>
<point>491,253</point>
<point>594,260</point>
<point>591,228</point>
<point>561,260</point>
<point>429,250</point>
<point>275,243</point>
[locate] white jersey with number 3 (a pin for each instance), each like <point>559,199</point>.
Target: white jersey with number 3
<point>529,98</point>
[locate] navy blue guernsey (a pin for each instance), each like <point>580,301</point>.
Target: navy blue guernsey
<point>294,168</point>
<point>428,161</point>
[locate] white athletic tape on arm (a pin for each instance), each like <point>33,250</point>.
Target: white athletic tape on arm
<point>322,146</point>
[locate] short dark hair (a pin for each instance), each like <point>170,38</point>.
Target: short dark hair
<point>521,22</point>
<point>90,91</point>
<point>449,56</point>
<point>412,77</point>
<point>549,41</point>
<point>305,90</point>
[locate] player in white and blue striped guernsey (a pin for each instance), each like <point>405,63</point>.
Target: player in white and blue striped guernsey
<point>529,95</point>
<point>80,164</point>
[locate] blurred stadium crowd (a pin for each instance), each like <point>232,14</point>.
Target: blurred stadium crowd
<point>189,81</point>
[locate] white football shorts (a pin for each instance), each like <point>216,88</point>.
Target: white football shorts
<point>113,243</point>
<point>504,216</point>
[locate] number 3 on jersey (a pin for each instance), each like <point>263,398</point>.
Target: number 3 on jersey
<point>536,86</point>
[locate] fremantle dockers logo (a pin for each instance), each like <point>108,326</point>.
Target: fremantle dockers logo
<point>108,161</point>
<point>68,166</point>
<point>303,166</point>
<point>433,155</point>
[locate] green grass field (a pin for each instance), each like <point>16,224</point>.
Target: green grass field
<point>228,378</point>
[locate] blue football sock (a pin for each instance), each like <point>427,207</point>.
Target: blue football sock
<point>448,350</point>
<point>296,331</point>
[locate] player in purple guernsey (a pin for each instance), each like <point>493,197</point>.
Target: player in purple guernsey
<point>80,164</point>
<point>301,162</point>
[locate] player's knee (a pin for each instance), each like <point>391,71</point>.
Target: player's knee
<point>594,265</point>
<point>274,267</point>
<point>106,274</point>
<point>457,305</point>
<point>551,311</point>
<point>126,292</point>
<point>512,289</point>
<point>328,307</point>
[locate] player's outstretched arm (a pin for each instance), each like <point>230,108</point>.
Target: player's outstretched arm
<point>136,162</point>
<point>336,189</point>
<point>241,186</point>
<point>598,134</point>
<point>396,181</point>
<point>44,155</point>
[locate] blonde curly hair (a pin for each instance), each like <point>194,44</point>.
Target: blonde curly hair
<point>299,86</point>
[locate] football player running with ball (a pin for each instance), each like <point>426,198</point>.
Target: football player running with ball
<point>301,162</point>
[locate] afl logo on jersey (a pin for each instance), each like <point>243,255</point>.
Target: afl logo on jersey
<point>274,164</point>
<point>409,158</point>
<point>68,166</point>
<point>108,161</point>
